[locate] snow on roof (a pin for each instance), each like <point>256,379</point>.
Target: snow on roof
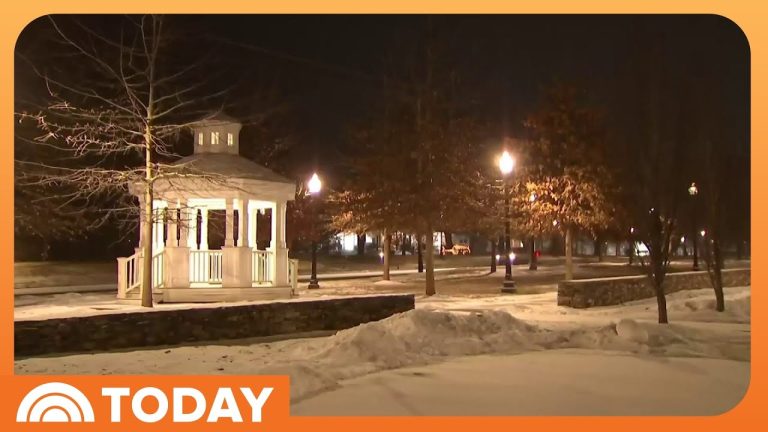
<point>229,165</point>
<point>217,118</point>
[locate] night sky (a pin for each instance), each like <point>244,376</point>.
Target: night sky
<point>326,71</point>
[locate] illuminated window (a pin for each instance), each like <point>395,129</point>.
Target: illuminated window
<point>200,138</point>
<point>230,140</point>
<point>214,137</point>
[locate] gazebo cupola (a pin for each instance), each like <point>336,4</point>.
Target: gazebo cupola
<point>219,134</point>
<point>215,178</point>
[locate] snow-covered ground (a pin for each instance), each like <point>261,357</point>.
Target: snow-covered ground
<point>553,382</point>
<point>487,355</point>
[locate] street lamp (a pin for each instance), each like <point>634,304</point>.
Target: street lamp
<point>506,165</point>
<point>313,187</point>
<point>534,265</point>
<point>693,191</point>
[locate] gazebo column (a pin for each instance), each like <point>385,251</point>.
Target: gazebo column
<point>184,217</point>
<point>204,228</point>
<point>192,227</point>
<point>243,229</point>
<point>158,226</point>
<point>252,212</point>
<point>280,251</point>
<point>171,218</point>
<point>176,259</point>
<point>229,225</point>
<point>236,259</point>
<point>155,229</point>
<point>142,240</point>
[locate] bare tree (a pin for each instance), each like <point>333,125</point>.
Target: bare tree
<point>711,192</point>
<point>110,121</point>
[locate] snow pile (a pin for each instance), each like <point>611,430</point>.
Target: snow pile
<point>632,331</point>
<point>702,309</point>
<point>422,336</point>
<point>408,338</point>
<point>417,337</point>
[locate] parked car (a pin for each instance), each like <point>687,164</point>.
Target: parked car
<point>457,249</point>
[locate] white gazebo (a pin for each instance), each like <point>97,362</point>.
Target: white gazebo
<point>215,177</point>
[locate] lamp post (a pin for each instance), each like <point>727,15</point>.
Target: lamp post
<point>506,165</point>
<point>534,265</point>
<point>693,191</point>
<point>313,187</point>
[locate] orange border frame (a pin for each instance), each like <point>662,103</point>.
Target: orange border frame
<point>747,14</point>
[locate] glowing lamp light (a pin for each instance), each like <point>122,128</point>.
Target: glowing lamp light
<point>554,223</point>
<point>498,257</point>
<point>632,230</point>
<point>703,233</point>
<point>381,254</point>
<point>532,197</point>
<point>506,163</point>
<point>314,184</point>
<point>511,256</point>
<point>693,190</point>
<point>682,239</point>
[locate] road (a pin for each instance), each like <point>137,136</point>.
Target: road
<point>61,278</point>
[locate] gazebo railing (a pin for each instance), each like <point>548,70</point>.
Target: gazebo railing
<point>129,272</point>
<point>205,266</point>
<point>260,266</point>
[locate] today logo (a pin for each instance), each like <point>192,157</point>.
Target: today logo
<point>57,402</point>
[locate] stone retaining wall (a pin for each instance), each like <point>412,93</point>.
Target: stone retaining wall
<point>586,293</point>
<point>177,326</point>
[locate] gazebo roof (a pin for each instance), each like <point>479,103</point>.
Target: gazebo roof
<point>228,165</point>
<point>216,119</point>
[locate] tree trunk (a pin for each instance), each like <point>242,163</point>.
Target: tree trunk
<point>361,244</point>
<point>714,261</point>
<point>448,240</point>
<point>430,264</point>
<point>568,254</point>
<point>420,249</point>
<point>598,248</point>
<point>533,263</point>
<point>146,264</point>
<point>403,245</point>
<point>661,302</point>
<point>493,256</point>
<point>146,257</point>
<point>718,258</point>
<point>386,250</point>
